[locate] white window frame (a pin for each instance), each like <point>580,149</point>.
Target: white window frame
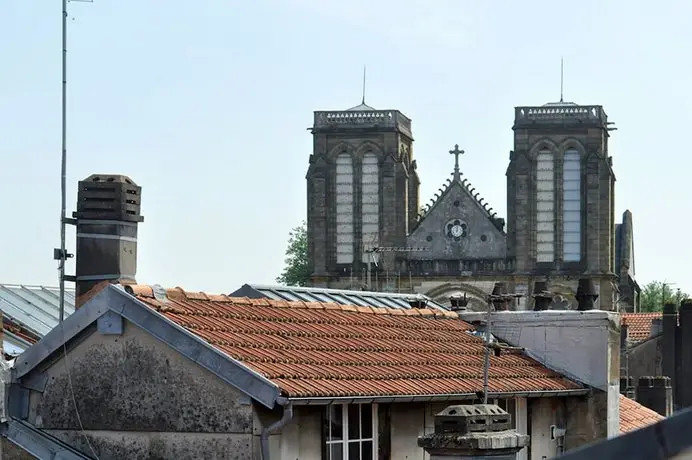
<point>346,442</point>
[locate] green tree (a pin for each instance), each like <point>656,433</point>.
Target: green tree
<point>657,293</point>
<point>297,269</point>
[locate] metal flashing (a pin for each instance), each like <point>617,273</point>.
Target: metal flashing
<point>62,333</point>
<point>189,345</point>
<point>39,444</point>
<point>120,303</point>
<point>18,402</point>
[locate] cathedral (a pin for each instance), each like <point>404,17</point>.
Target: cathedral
<point>367,230</point>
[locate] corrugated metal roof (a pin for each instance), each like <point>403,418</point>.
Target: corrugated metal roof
<point>37,308</point>
<point>343,297</point>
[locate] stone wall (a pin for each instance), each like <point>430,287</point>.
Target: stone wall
<point>137,398</point>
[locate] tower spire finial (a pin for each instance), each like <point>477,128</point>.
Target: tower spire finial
<point>456,152</point>
<point>562,78</point>
<point>363,101</point>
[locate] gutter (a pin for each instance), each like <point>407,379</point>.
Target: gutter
<point>308,401</point>
<point>276,426</point>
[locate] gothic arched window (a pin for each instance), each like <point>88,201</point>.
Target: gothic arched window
<point>545,207</point>
<point>370,202</point>
<point>344,209</point>
<point>571,204</point>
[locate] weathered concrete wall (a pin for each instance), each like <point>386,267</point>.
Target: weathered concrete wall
<point>587,419</point>
<point>137,398</point>
<point>646,358</point>
<point>582,345</point>
<point>544,414</point>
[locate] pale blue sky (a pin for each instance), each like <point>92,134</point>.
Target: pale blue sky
<point>206,104</point>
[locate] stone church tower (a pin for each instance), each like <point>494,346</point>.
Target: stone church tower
<point>560,199</point>
<point>363,193</point>
<point>362,189</point>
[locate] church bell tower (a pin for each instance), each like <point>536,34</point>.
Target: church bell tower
<point>560,197</point>
<point>362,190</point>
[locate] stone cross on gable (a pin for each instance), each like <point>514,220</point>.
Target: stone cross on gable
<point>456,152</point>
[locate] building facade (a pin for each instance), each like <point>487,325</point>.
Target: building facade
<point>366,226</point>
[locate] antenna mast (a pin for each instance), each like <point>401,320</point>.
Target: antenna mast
<point>363,100</point>
<point>61,254</point>
<point>562,78</point>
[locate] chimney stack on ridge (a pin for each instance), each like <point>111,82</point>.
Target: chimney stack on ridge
<point>108,211</point>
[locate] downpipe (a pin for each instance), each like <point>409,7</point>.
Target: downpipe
<point>276,426</point>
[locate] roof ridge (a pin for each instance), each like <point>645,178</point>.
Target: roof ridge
<point>178,293</point>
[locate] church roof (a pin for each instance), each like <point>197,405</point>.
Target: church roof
<point>338,296</point>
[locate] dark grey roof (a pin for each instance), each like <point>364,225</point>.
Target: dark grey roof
<point>343,297</point>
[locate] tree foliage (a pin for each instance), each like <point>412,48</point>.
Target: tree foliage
<point>297,269</point>
<point>657,293</point>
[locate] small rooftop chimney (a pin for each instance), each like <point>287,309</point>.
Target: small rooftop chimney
<point>108,211</point>
<point>499,290</point>
<point>586,294</point>
<point>473,432</point>
<point>417,301</point>
<point>656,327</point>
<point>656,393</point>
<point>541,296</point>
<point>458,302</point>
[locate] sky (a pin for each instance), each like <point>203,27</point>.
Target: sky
<point>206,104</point>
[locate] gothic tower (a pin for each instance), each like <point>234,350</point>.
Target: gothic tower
<point>362,190</point>
<point>560,198</point>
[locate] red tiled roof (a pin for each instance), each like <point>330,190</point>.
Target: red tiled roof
<point>639,325</point>
<point>634,416</point>
<point>329,350</point>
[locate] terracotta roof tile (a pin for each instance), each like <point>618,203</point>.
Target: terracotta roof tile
<point>634,416</point>
<point>639,325</point>
<point>322,349</point>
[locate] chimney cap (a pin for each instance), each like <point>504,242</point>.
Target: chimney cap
<point>117,178</point>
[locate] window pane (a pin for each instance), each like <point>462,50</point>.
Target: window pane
<point>337,451</point>
<point>366,422</point>
<point>366,450</point>
<point>337,432</point>
<point>353,419</point>
<point>353,451</point>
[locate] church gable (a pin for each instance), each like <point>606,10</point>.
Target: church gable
<point>458,226</point>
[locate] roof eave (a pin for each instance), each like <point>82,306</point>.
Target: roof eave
<point>116,300</point>
<point>38,443</point>
<point>325,400</point>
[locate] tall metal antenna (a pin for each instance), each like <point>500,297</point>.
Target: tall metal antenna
<point>63,168</point>
<point>61,254</point>
<point>562,78</point>
<point>363,100</point>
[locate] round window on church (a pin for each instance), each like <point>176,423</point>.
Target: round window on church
<point>456,203</point>
<point>484,238</point>
<point>456,229</point>
<point>428,238</point>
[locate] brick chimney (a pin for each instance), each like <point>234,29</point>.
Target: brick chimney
<point>108,211</point>
<point>656,393</point>
<point>481,431</point>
